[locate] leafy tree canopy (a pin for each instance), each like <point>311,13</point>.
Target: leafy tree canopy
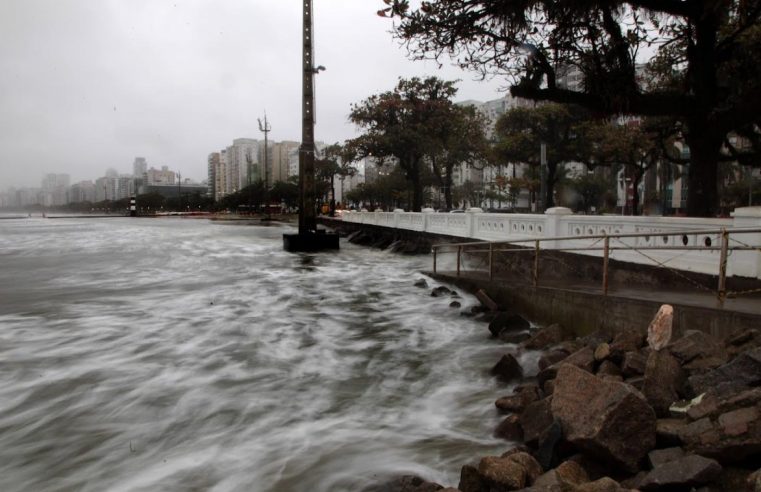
<point>704,60</point>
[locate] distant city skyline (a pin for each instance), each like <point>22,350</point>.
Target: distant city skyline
<point>86,86</point>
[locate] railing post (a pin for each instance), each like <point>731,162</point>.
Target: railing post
<point>459,254</point>
<point>536,263</point>
<point>434,259</point>
<point>606,255</point>
<point>723,265</point>
<point>491,261</point>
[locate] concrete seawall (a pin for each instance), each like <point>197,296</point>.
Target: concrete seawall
<point>569,291</point>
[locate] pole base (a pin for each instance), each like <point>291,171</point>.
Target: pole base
<point>310,241</point>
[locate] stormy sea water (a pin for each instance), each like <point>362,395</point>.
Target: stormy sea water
<point>180,354</point>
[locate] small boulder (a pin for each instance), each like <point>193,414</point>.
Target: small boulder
<point>604,484</point>
<point>455,304</point>
<point>664,379</point>
<point>441,291</point>
<point>583,359</point>
<point>471,480</point>
<point>609,368</point>
<point>602,352</point>
<point>508,322</point>
<point>606,419</point>
<point>696,344</point>
<point>545,337</point>
<point>421,283</point>
<point>510,429</point>
<point>633,364</point>
<point>530,465</point>
<point>552,357</point>
<point>407,483</point>
<point>625,341</point>
<point>518,401</point>
<point>744,371</point>
<point>534,420</point>
<point>502,473</point>
<point>659,331</point>
<point>685,472</point>
<point>508,368</point>
<point>565,476</point>
<point>658,457</point>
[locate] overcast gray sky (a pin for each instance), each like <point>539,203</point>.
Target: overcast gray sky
<point>86,85</point>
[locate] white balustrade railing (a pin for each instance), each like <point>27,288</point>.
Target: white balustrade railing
<point>561,222</point>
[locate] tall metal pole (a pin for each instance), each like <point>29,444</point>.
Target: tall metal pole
<point>307,216</point>
<point>265,128</point>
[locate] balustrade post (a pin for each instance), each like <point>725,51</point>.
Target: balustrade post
<point>606,256</point>
<point>723,265</point>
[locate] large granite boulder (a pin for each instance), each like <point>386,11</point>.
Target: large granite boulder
<point>742,372</point>
<point>664,379</point>
<point>685,472</point>
<point>606,419</point>
<point>583,358</point>
<point>695,344</point>
<point>545,337</point>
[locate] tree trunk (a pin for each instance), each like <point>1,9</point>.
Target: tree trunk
<point>702,180</point>
<point>549,196</point>
<point>635,192</point>
<point>448,188</point>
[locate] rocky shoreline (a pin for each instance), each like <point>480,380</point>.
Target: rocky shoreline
<point>645,409</point>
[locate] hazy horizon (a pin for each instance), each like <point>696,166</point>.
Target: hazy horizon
<point>86,86</point>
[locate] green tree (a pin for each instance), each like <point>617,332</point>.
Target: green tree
<point>520,133</point>
<point>705,72</point>
<point>402,124</point>
<point>461,140</point>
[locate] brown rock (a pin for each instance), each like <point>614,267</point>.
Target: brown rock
<point>510,429</point>
<point>658,457</point>
<point>604,484</point>
<point>707,405</point>
<point>697,344</point>
<point>664,379</point>
<point>689,471</point>
<point>545,337</point>
<point>583,359</point>
<point>626,341</point>
<point>552,357</point>
<point>530,465</point>
<point>548,387</point>
<point>606,419</point>
<point>572,472</point>
<point>507,322</point>
<point>535,419</point>
<point>407,483</point>
<point>633,364</point>
<point>659,331</point>
<point>608,367</point>
<point>508,368</point>
<point>517,402</point>
<point>602,352</point>
<point>754,481</point>
<point>502,473</point>
<point>668,431</point>
<point>744,371</point>
<point>636,382</point>
<point>471,480</point>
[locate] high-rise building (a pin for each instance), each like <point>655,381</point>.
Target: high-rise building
<point>242,164</point>
<point>159,177</point>
<point>84,191</point>
<point>216,183</point>
<point>139,167</point>
<point>54,189</point>
<point>280,161</point>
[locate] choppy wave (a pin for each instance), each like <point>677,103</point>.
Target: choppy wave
<point>170,354</point>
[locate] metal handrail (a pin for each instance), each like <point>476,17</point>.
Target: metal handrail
<point>606,248</point>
